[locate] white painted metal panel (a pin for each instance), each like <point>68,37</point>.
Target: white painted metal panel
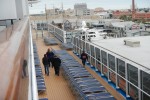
<point>7,9</point>
<point>19,9</point>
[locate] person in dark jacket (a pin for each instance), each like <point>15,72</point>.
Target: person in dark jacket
<point>45,63</point>
<point>24,67</point>
<point>84,57</point>
<point>50,56</point>
<point>56,63</point>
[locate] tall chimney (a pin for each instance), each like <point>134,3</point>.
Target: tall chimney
<point>133,6</point>
<point>133,9</point>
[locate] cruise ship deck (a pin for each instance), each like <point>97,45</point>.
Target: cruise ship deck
<point>57,88</point>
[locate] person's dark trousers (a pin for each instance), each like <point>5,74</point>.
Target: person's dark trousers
<point>46,69</point>
<point>57,70</point>
<point>83,62</point>
<point>24,71</point>
<point>49,62</point>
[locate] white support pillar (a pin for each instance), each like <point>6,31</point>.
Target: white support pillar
<point>139,84</point>
<point>116,70</point>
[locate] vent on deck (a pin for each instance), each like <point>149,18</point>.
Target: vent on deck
<point>132,43</point>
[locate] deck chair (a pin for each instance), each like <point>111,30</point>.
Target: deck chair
<point>67,46</point>
<point>43,99</point>
<point>50,41</point>
<point>41,88</point>
<point>101,94</point>
<point>93,90</point>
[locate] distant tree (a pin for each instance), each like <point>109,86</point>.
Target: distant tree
<point>123,17</point>
<point>142,20</point>
<point>126,18</point>
<point>129,18</point>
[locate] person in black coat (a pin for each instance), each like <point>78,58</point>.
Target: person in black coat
<point>84,57</point>
<point>50,56</point>
<point>45,63</point>
<point>56,63</point>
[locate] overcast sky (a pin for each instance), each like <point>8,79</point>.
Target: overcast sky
<point>91,4</point>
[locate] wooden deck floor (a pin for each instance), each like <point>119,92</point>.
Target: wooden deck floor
<point>57,87</point>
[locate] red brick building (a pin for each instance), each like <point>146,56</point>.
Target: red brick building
<point>118,14</point>
<point>139,15</point>
<point>135,15</point>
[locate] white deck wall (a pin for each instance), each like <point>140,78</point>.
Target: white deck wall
<point>13,9</point>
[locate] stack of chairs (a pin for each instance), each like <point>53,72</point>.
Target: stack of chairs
<point>82,83</point>
<point>39,76</point>
<point>67,46</point>
<point>50,41</point>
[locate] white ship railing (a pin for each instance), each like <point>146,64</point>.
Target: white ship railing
<point>57,32</point>
<point>32,93</point>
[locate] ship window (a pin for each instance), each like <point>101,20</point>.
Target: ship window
<point>104,61</point>
<point>133,92</point>
<point>145,82</point>
<point>104,57</point>
<point>92,51</point>
<point>87,48</point>
<point>83,45</point>
<point>79,43</point>
<point>98,64</point>
<point>111,61</point>
<point>97,53</point>
<point>77,40</point>
<point>145,97</point>
<point>121,67</point>
<point>93,55</point>
<point>132,74</point>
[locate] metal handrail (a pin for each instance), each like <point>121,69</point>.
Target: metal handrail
<point>33,93</point>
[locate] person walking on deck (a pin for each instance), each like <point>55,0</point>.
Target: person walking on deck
<point>50,56</point>
<point>56,63</point>
<point>84,57</point>
<point>45,63</point>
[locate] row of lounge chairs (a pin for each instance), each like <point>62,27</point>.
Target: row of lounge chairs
<point>83,84</point>
<point>39,76</point>
<point>50,41</point>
